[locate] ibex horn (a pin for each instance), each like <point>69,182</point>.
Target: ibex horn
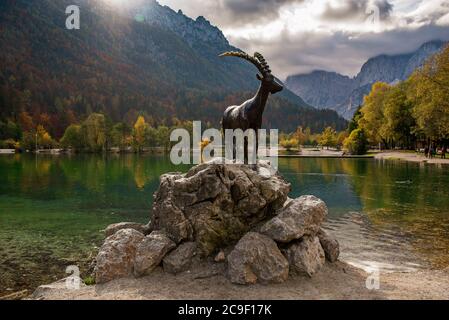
<point>263,68</point>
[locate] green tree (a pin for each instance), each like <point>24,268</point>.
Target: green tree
<point>399,122</point>
<point>94,132</point>
<point>356,143</point>
<point>120,134</point>
<point>354,123</point>
<point>73,138</point>
<point>163,137</point>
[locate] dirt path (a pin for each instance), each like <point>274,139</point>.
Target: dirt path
<point>336,281</point>
<point>408,156</point>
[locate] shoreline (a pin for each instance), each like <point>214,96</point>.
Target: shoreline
<point>334,281</point>
<point>410,157</point>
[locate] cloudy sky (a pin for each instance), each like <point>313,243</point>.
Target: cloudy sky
<point>298,36</point>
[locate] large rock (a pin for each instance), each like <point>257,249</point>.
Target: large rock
<point>116,256</point>
<point>151,251</point>
<point>299,217</point>
<point>257,258</point>
<point>113,228</point>
<point>305,256</point>
<point>216,204</point>
<point>330,245</point>
<point>180,259</point>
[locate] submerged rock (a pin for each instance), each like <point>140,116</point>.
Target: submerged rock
<point>180,259</point>
<point>299,217</point>
<point>216,204</point>
<point>257,258</point>
<point>305,256</point>
<point>116,256</point>
<point>113,228</point>
<point>151,251</point>
<point>330,245</point>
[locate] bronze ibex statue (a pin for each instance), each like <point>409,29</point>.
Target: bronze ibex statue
<point>248,115</point>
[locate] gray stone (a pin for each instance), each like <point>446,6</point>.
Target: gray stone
<point>180,259</point>
<point>330,245</point>
<point>299,217</point>
<point>116,256</point>
<point>151,251</point>
<point>216,204</point>
<point>113,228</point>
<point>257,258</point>
<point>305,256</point>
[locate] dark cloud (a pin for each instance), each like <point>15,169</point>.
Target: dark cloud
<point>342,52</point>
<point>233,12</point>
<point>350,10</point>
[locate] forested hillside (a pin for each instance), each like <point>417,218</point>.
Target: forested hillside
<point>123,68</point>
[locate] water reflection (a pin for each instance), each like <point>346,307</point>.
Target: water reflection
<point>388,214</point>
<point>391,214</point>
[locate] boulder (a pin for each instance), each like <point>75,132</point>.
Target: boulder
<point>330,245</point>
<point>299,217</point>
<point>116,256</point>
<point>180,259</point>
<point>257,258</point>
<point>215,204</point>
<point>113,228</point>
<point>150,252</point>
<point>305,256</point>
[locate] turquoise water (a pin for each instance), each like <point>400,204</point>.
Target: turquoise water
<point>391,215</point>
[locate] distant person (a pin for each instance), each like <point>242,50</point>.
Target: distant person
<point>432,152</point>
<point>426,152</point>
<point>443,153</point>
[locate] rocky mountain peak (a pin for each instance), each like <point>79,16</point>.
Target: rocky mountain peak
<point>325,89</point>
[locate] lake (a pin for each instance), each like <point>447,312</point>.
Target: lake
<point>389,215</point>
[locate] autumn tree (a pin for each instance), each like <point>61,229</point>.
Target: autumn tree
<point>139,132</point>
<point>328,138</point>
<point>43,137</point>
<point>429,90</point>
<point>373,119</point>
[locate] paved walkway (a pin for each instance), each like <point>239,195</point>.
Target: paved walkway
<point>410,156</point>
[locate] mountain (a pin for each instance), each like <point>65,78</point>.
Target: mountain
<point>141,59</point>
<point>325,89</point>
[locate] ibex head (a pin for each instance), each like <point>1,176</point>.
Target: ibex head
<point>265,76</point>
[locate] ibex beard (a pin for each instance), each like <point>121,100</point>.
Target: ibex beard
<point>240,147</point>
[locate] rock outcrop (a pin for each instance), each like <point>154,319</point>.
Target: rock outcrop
<point>257,257</point>
<point>330,245</point>
<point>301,216</point>
<point>219,213</point>
<point>216,204</point>
<point>113,228</point>
<point>116,257</point>
<point>180,259</point>
<point>150,252</point>
<point>305,256</point>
